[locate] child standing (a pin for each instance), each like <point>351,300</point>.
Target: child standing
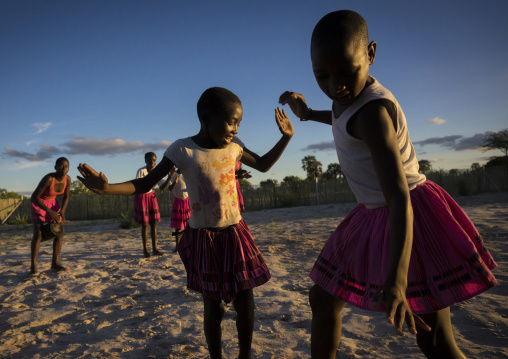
<point>217,249</point>
<point>180,212</point>
<point>146,208</point>
<point>407,247</point>
<point>45,208</point>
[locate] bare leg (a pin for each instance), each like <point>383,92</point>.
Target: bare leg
<point>326,323</point>
<point>57,247</point>
<point>153,232</point>
<point>177,233</point>
<point>35,246</point>
<point>244,306</point>
<point>439,342</point>
<point>143,237</point>
<point>214,312</point>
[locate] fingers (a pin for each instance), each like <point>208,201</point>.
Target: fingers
<point>421,323</point>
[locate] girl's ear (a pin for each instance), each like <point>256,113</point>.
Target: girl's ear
<point>372,51</point>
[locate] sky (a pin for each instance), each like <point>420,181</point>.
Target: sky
<point>104,81</point>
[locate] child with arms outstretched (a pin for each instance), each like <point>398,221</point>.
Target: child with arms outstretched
<point>217,249</point>
<point>45,208</point>
<point>407,248</point>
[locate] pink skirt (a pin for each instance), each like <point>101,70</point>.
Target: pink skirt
<point>241,205</point>
<point>146,209</point>
<point>181,213</point>
<point>221,264</point>
<point>38,215</point>
<point>449,262</point>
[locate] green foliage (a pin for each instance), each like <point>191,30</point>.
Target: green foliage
<point>497,161</point>
<point>425,166</point>
<point>4,194</point>
<point>497,141</point>
<point>18,219</point>
<point>268,184</point>
<point>312,166</point>
<point>78,188</point>
<point>333,171</point>
<point>127,221</point>
<point>244,183</point>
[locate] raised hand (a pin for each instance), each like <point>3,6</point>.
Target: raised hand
<point>283,122</point>
<point>296,102</point>
<point>398,311</point>
<point>95,182</point>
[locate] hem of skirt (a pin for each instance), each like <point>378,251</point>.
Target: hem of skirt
<point>227,298</point>
<point>421,311</point>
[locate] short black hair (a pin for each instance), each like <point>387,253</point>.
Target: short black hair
<point>342,26</point>
<point>61,159</point>
<point>149,154</point>
<point>216,100</point>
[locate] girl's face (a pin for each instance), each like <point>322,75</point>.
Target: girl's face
<point>221,128</point>
<point>62,168</point>
<point>151,161</point>
<point>342,71</point>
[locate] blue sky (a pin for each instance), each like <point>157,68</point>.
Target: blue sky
<point>104,81</point>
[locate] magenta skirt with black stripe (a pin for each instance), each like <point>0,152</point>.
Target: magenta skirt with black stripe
<point>180,213</point>
<point>221,264</point>
<point>449,262</point>
<point>146,209</point>
<point>38,215</point>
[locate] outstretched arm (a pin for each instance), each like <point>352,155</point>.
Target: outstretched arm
<point>98,182</point>
<point>299,107</point>
<point>65,200</point>
<point>264,163</point>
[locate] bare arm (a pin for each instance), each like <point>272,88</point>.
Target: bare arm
<point>265,162</point>
<point>375,126</point>
<point>300,109</point>
<point>98,183</point>
<point>36,197</point>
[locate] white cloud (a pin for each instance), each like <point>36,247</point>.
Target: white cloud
<point>41,127</point>
<point>436,121</point>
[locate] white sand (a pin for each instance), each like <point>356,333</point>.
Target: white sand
<point>116,304</point>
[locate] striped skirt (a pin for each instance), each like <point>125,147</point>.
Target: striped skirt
<point>221,264</point>
<point>449,262</point>
<point>38,215</point>
<point>181,213</point>
<point>146,209</point>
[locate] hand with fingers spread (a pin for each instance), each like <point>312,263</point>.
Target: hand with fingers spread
<point>296,102</point>
<point>397,309</point>
<point>95,182</point>
<point>284,124</point>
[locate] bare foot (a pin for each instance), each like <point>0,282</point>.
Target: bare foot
<point>146,254</point>
<point>175,250</point>
<point>59,268</point>
<point>157,253</point>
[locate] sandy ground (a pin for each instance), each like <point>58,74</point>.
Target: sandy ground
<point>114,303</point>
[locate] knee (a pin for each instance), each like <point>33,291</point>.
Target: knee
<point>244,302</point>
<point>321,301</point>
<point>214,310</point>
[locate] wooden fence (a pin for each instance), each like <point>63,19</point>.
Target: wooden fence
<point>305,193</point>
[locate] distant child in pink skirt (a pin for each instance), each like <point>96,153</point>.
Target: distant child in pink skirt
<point>407,248</point>
<point>220,257</point>
<point>240,174</point>
<point>146,208</point>
<point>45,208</point>
<point>180,212</point>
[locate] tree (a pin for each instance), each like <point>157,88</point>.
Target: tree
<point>475,167</point>
<point>312,166</point>
<point>269,184</point>
<point>497,141</point>
<point>333,171</point>
<point>454,172</point>
<point>425,166</point>
<point>244,183</point>
<point>4,194</point>
<point>77,188</point>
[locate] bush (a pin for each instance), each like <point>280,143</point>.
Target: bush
<point>18,219</point>
<point>127,221</point>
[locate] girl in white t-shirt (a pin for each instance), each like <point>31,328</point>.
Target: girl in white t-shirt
<point>217,249</point>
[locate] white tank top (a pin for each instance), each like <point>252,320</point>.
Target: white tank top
<point>354,155</point>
